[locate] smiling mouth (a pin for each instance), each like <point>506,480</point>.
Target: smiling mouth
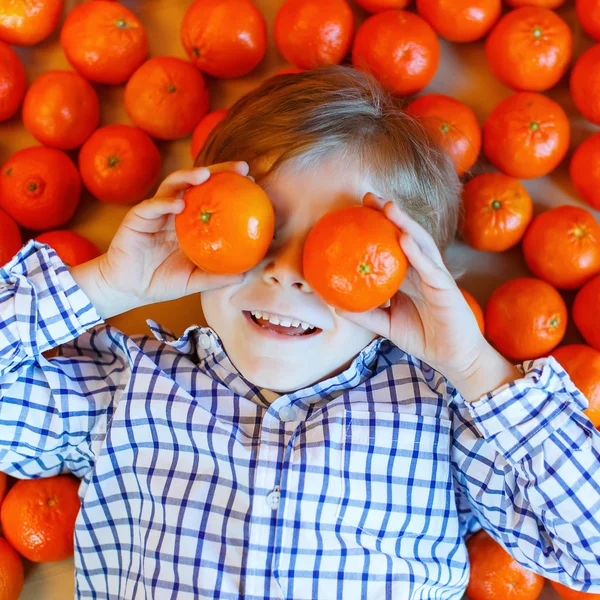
<point>281,325</point>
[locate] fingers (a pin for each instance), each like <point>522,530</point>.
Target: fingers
<point>401,219</point>
<point>201,281</point>
<point>181,180</point>
<point>427,269</point>
<point>414,230</point>
<point>377,320</point>
<point>151,216</point>
<point>239,167</point>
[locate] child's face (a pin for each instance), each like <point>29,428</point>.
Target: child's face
<point>274,356</point>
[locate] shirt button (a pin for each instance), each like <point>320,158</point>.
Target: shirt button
<point>205,341</point>
<point>273,499</point>
<point>287,414</point>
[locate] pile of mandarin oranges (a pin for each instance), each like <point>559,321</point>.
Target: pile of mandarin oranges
<point>529,49</point>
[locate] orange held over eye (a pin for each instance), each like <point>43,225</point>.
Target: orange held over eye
<point>568,594</point>
<point>496,212</point>
<point>525,318</point>
<point>11,572</point>
<point>224,38</point>
<point>104,41</point>
<point>582,363</point>
<point>39,188</point>
<point>71,247</point>
<point>453,125</point>
<point>586,309</point>
<point>311,33</point>
<point>61,109</point>
<point>585,84</point>
<point>166,97</point>
<point>38,517</point>
<point>460,20</point>
<point>399,49</point>
<point>562,247</point>
<point>227,225</point>
<point>119,164</point>
<point>353,259</point>
<point>13,82</point>
<point>204,128</point>
<point>530,49</point>
<point>496,574</point>
<point>27,22</point>
<point>526,135</point>
<point>10,238</point>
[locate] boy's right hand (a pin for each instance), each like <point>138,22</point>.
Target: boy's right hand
<point>144,263</point>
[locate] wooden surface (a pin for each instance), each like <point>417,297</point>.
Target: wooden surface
<point>463,73</point>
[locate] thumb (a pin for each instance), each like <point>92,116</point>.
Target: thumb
<point>202,281</point>
<point>376,320</point>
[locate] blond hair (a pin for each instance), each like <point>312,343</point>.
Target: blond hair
<point>341,111</point>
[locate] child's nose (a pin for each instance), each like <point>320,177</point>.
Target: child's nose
<point>284,267</point>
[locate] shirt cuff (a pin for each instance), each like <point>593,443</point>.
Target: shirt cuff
<point>519,416</point>
<point>50,309</point>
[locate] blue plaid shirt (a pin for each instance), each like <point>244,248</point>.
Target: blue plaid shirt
<point>197,484</point>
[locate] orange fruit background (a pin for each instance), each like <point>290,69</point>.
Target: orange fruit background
<point>495,575</point>
<point>61,109</point>
<point>38,517</point>
<point>203,129</point>
<point>311,33</point>
<point>353,259</point>
<point>463,73</point>
<point>224,38</point>
<point>526,135</point>
<point>40,188</point>
<point>228,212</point>
<point>582,363</point>
<point>453,124</point>
<point>71,247</point>
<point>562,247</point>
<point>166,97</point>
<point>530,48</point>
<point>11,572</point>
<point>406,56</point>
<point>104,41</point>
<point>120,164</point>
<point>460,20</point>
<point>12,82</point>
<point>586,309</point>
<point>22,26</point>
<point>496,212</point>
<point>525,318</point>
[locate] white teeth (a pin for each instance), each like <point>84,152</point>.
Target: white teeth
<point>283,321</point>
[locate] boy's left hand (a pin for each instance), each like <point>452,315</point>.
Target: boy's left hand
<point>429,318</point>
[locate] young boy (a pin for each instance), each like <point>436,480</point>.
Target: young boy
<point>287,450</point>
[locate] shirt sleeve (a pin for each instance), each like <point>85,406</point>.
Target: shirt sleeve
<point>527,460</point>
<point>52,411</point>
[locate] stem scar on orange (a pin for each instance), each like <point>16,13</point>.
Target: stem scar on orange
<point>353,259</point>
<point>227,225</point>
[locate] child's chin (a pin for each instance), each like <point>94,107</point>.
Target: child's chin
<point>278,376</point>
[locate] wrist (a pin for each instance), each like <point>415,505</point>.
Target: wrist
<point>107,301</point>
<point>489,371</point>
